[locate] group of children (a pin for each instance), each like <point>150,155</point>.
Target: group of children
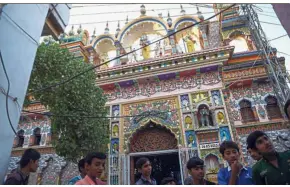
<point>272,168</point>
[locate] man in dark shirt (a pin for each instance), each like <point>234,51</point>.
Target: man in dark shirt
<point>28,163</point>
<point>145,168</point>
<point>273,168</point>
<point>195,167</point>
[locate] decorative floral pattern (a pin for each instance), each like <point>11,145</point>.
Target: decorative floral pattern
<point>150,88</point>
<point>164,111</point>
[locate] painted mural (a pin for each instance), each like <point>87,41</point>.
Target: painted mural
<point>225,134</point>
<point>191,139</point>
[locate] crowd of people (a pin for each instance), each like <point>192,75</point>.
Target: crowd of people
<point>271,168</point>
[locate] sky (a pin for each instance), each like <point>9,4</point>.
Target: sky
<point>95,16</point>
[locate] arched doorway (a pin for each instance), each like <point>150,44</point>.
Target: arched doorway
<point>160,146</point>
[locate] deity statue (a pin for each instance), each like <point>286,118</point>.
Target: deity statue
<point>116,113</point>
<point>189,43</point>
<point>157,50</point>
<point>216,100</point>
<point>115,131</point>
<point>115,148</point>
<point>185,104</point>
<point>220,118</point>
<point>204,117</point>
<point>188,122</point>
<point>104,58</point>
<point>224,136</point>
<point>190,140</point>
<point>146,50</point>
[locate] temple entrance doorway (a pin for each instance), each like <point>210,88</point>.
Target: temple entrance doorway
<point>160,146</point>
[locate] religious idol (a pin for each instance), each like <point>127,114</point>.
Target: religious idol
<point>146,50</point>
<point>189,43</point>
<point>220,118</point>
<point>204,117</point>
<point>190,140</point>
<point>216,100</point>
<point>185,104</point>
<point>104,58</point>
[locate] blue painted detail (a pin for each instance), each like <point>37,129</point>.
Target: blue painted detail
<point>146,19</point>
<point>183,20</point>
<point>95,43</point>
<point>193,59</point>
<point>190,139</point>
<point>225,134</point>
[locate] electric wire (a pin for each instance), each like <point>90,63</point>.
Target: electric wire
<point>278,37</point>
<point>92,68</point>
<point>7,94</point>
<point>174,110</point>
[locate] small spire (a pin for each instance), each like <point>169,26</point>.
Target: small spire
<point>199,14</point>
<point>169,20</point>
<point>94,33</point>
<point>143,10</point>
<point>107,28</point>
<point>71,32</point>
<point>127,20</point>
<point>79,29</point>
<point>118,29</point>
<point>182,10</point>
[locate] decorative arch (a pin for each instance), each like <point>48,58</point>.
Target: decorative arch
<point>211,163</point>
<point>37,136</point>
<point>101,37</point>
<point>272,108</point>
<point>246,110</point>
<point>85,37</point>
<point>140,20</point>
<point>245,98</point>
<point>182,19</point>
<point>152,137</point>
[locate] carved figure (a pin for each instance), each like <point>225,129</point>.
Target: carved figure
<point>188,122</point>
<point>204,117</point>
<point>185,104</point>
<point>190,140</point>
<point>145,50</point>
<point>189,43</point>
<point>220,118</point>
<point>216,100</point>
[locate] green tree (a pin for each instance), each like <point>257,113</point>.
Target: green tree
<point>75,136</point>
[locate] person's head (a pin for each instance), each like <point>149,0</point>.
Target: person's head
<point>95,164</point>
<point>287,108</point>
<point>259,141</point>
<point>230,151</point>
<point>81,166</point>
<point>30,159</point>
<point>254,154</point>
<point>195,167</point>
<point>144,166</point>
<point>168,181</point>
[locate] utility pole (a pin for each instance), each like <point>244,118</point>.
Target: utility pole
<point>276,71</point>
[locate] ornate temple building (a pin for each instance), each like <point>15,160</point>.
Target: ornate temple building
<point>171,100</point>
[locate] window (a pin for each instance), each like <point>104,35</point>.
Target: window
<point>240,44</point>
<point>37,136</point>
<point>247,112</point>
<point>20,136</point>
<point>272,108</point>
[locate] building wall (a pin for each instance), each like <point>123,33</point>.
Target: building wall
<point>31,18</point>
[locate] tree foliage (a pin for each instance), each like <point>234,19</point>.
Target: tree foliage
<point>76,136</point>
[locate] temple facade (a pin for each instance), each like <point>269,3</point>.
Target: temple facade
<point>179,97</point>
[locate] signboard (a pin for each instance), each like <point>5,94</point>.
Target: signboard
<point>209,146</point>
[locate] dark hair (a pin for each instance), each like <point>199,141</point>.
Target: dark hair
<point>228,145</point>
<point>252,138</point>
<point>141,161</point>
<point>167,180</point>
<point>89,158</point>
<point>28,155</point>
<point>193,162</point>
<point>286,106</point>
<point>81,164</point>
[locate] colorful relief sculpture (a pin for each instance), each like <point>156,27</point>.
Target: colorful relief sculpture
<point>191,139</point>
<point>189,43</point>
<point>145,50</point>
<point>225,134</point>
<point>188,122</point>
<point>221,118</point>
<point>115,131</point>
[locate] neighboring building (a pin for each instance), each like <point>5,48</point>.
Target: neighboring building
<point>282,11</point>
<point>21,26</point>
<point>185,95</point>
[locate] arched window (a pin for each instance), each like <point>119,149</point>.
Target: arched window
<point>37,136</point>
<point>247,112</point>
<point>240,44</point>
<point>20,136</point>
<point>272,108</point>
